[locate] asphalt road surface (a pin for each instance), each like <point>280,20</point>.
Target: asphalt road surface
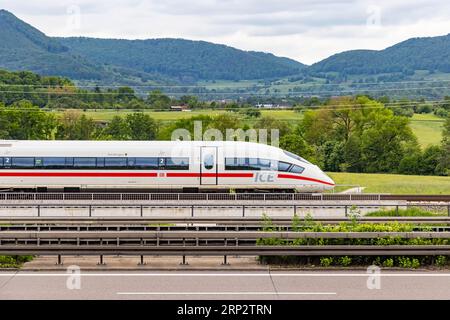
<point>225,285</point>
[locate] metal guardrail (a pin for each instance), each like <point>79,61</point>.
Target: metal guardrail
<point>216,197</point>
<point>346,250</point>
<point>184,243</point>
<point>242,207</point>
<point>218,221</point>
<point>206,235</point>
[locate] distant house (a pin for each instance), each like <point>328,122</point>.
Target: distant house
<point>271,106</point>
<point>264,106</point>
<point>179,108</point>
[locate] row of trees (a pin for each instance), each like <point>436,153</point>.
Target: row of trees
<point>61,93</point>
<point>349,134</point>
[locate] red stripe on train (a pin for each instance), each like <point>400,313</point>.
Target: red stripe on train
<point>78,174</point>
<point>209,175</point>
<point>124,174</point>
<point>290,176</point>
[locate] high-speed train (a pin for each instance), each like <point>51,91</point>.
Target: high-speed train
<point>189,166</point>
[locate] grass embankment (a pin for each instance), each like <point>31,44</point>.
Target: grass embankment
<point>410,212</point>
<point>394,183</point>
<point>13,261</point>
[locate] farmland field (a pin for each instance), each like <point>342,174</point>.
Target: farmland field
<point>427,128</point>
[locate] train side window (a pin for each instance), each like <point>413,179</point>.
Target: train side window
<point>116,163</point>
<point>177,164</point>
<point>283,166</point>
<point>7,162</point>
<point>237,164</point>
<point>1,162</point>
<point>253,164</point>
<point>53,163</point>
<point>100,162</point>
<point>84,162</point>
<point>259,164</point>
<point>131,162</point>
<point>146,163</point>
<point>23,162</point>
<point>296,169</point>
<point>38,162</point>
<point>208,161</point>
<point>69,162</point>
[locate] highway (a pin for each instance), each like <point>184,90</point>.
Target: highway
<point>242,285</point>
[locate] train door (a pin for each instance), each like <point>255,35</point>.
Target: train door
<point>208,166</point>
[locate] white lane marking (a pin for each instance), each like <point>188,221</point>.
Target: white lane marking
<point>226,293</point>
<point>87,274</point>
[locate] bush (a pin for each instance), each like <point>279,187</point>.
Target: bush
<point>326,261</point>
<point>441,261</point>
<point>415,263</point>
<point>345,261</point>
<point>388,263</point>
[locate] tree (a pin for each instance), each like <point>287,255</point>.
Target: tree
<point>297,145</point>
<point>444,161</point>
<point>142,126</point>
<point>117,129</point>
<point>158,100</point>
<point>23,121</point>
<point>74,125</point>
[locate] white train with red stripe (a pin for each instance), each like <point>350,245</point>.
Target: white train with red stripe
<point>155,165</point>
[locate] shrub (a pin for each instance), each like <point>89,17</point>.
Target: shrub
<point>415,263</point>
<point>345,261</point>
<point>404,262</point>
<point>326,261</point>
<point>388,263</point>
<point>441,261</point>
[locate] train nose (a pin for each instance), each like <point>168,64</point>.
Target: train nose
<point>325,178</point>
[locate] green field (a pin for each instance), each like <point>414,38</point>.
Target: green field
<point>394,183</point>
<point>426,127</point>
<point>106,115</point>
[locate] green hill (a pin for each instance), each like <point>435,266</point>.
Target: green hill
<point>23,47</point>
<point>183,59</point>
<point>431,54</point>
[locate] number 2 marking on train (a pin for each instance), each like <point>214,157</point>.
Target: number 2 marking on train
<point>264,177</point>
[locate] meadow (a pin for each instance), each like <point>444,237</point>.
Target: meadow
<point>393,183</point>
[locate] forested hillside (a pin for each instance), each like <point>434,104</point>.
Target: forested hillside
<point>431,54</point>
<point>23,47</point>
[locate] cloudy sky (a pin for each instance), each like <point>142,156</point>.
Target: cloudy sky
<point>305,30</point>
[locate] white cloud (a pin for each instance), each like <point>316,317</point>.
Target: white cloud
<point>305,30</point>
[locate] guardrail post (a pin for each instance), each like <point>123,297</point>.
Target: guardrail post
<point>448,210</point>
<point>184,262</point>
<point>243,211</point>
<point>39,210</point>
<point>396,210</point>
<point>225,262</point>
<point>142,210</point>
<point>59,262</point>
<point>346,211</point>
<point>101,263</point>
<point>142,262</point>
<point>192,211</point>
<point>90,210</point>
